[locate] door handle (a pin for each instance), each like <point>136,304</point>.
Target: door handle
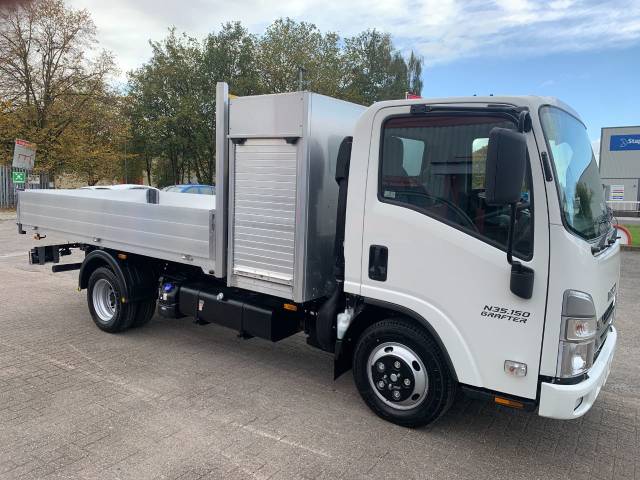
<point>378,258</point>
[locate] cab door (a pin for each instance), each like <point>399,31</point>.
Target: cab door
<point>431,245</point>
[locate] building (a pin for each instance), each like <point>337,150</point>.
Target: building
<point>620,166</point>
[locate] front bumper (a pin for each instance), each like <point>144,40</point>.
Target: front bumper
<point>563,401</point>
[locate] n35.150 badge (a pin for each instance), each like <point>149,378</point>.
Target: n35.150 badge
<point>504,313</point>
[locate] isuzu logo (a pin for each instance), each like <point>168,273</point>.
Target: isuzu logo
<point>612,292</point>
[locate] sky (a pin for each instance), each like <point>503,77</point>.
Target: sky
<point>585,52</point>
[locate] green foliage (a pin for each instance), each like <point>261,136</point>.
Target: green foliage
<point>171,101</point>
<point>287,49</point>
<point>634,230</point>
<point>96,142</point>
<point>414,73</point>
<point>163,101</point>
<point>49,75</point>
<point>54,89</point>
<point>374,70</point>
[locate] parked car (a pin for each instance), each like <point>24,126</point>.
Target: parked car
<point>121,186</point>
<point>191,188</point>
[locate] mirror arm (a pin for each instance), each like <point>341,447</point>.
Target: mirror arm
<point>524,122</point>
<point>521,282</point>
<point>510,233</point>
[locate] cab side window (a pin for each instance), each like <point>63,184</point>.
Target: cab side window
<point>436,166</point>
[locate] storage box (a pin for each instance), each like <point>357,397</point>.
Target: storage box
<point>282,191</point>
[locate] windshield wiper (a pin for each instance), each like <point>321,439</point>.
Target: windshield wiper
<point>605,242</point>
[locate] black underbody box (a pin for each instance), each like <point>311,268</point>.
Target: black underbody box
<point>250,314</point>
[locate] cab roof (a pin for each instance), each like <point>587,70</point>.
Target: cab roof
<point>532,102</point>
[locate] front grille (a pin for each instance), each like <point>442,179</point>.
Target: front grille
<point>604,324</point>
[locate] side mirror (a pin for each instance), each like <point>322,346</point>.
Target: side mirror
<point>506,163</point>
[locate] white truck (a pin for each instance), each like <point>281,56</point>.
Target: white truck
<point>429,245</point>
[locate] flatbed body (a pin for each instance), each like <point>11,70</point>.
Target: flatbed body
<point>179,228</point>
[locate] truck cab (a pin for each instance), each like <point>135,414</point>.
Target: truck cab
<point>423,241</point>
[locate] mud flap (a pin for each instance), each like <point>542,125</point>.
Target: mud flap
<point>341,359</point>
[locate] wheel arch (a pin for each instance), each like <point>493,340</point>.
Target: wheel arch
<point>136,275</point>
<point>373,311</point>
<point>96,259</point>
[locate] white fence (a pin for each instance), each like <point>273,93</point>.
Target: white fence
<point>623,208</point>
<point>8,196</point>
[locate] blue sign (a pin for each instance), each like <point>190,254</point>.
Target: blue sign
<point>624,142</point>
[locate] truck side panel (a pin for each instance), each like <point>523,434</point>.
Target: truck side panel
<point>177,229</point>
<point>331,121</point>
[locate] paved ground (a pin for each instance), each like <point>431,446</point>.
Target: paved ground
<point>176,400</point>
<point>628,220</point>
<point>7,213</point>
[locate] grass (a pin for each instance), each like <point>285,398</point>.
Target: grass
<point>635,233</point>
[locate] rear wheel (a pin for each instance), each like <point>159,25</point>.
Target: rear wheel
<point>401,373</point>
<point>146,310</point>
<point>104,296</point>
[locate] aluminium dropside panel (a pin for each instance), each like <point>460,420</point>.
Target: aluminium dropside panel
<point>179,228</point>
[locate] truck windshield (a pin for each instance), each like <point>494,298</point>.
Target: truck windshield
<point>579,185</point>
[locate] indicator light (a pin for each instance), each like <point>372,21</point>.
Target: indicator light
<point>516,369</point>
<point>580,328</point>
<point>508,403</point>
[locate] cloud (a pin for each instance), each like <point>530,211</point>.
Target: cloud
<point>441,30</point>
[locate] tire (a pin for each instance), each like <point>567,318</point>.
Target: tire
<point>402,374</point>
<point>146,310</point>
<point>104,292</point>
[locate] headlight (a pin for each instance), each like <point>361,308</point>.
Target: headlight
<point>575,358</point>
<point>577,334</point>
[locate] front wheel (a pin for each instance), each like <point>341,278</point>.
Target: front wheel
<point>401,373</point>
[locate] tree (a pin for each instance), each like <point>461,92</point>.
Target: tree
<point>96,141</point>
<point>288,46</point>
<point>414,74</point>
<point>171,98</point>
<point>168,110</point>
<point>231,55</point>
<point>374,70</point>
<point>45,70</point>
<point>8,131</point>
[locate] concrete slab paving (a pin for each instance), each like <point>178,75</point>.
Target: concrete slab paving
<point>175,400</point>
